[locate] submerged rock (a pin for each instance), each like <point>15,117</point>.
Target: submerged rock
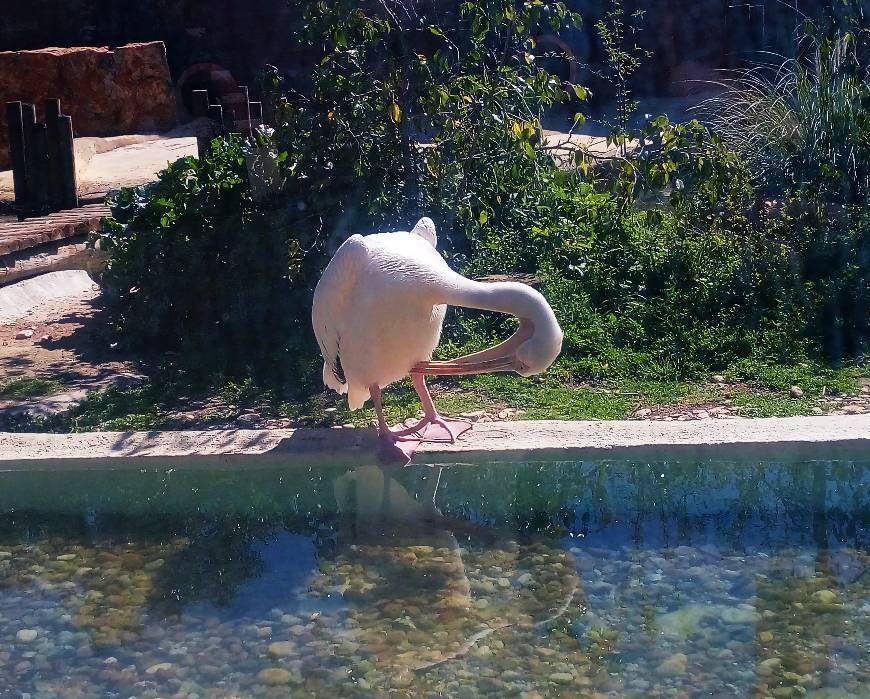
<point>742,614</point>
<point>677,664</point>
<point>159,668</point>
<point>769,666</point>
<point>825,596</point>
<point>684,621</point>
<point>562,677</point>
<point>275,676</point>
<point>281,648</point>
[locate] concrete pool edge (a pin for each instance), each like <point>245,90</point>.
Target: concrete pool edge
<point>771,438</point>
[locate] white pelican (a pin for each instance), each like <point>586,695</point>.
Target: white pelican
<point>378,311</point>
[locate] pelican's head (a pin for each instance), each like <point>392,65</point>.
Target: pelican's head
<point>536,354</point>
<point>530,350</point>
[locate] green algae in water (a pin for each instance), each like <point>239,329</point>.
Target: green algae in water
<point>558,579</point>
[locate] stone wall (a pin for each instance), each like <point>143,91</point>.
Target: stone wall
<point>240,36</point>
<point>106,91</point>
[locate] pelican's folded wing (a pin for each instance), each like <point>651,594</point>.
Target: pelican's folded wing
<point>333,306</point>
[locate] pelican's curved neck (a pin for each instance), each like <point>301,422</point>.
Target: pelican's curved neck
<point>502,297</point>
<point>537,322</point>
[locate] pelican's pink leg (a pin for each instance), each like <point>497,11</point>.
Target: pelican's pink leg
<point>388,449</point>
<point>383,427</point>
<point>430,415</point>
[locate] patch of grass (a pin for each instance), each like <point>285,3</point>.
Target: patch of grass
<point>812,377</point>
<point>246,394</point>
<point>327,409</point>
<point>549,397</point>
<point>29,388</point>
<point>772,405</point>
<point>557,395</point>
<point>145,407</point>
<point>665,392</point>
<point>545,398</point>
<point>117,410</point>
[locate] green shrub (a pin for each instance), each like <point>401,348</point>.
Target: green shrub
<point>200,269</point>
<point>803,125</point>
<point>644,296</point>
<point>461,79</point>
<point>830,252</point>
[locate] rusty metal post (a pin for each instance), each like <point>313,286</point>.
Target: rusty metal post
<point>230,117</point>
<point>17,153</point>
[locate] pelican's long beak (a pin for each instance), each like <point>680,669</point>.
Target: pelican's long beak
<point>498,358</point>
<point>465,365</point>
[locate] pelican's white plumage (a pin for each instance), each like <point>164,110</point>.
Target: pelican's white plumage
<point>378,312</point>
<point>375,314</point>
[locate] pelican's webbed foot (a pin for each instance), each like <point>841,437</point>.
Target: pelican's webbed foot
<point>389,452</point>
<point>434,428</point>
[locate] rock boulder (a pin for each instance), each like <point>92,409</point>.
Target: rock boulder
<point>106,91</point>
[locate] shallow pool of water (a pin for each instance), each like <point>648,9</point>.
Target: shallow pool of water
<point>540,579</point>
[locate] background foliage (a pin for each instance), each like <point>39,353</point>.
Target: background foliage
<point>695,247</point>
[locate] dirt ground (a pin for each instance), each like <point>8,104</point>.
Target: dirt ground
<point>65,340</point>
<point>65,346</point>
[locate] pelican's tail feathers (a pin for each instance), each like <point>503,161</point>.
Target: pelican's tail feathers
<point>425,228</point>
<point>357,397</point>
<point>333,381</point>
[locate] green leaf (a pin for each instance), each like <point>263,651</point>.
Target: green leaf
<point>395,113</point>
<point>580,91</point>
<point>483,218</point>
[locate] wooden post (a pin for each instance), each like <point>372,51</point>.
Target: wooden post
<point>229,117</point>
<point>36,138</point>
<point>32,160</point>
<point>51,109</point>
<point>246,108</point>
<point>216,114</point>
<point>68,186</point>
<point>257,112</point>
<point>15,127</point>
<point>200,103</point>
<point>200,111</point>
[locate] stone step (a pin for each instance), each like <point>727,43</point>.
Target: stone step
<point>16,236</point>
